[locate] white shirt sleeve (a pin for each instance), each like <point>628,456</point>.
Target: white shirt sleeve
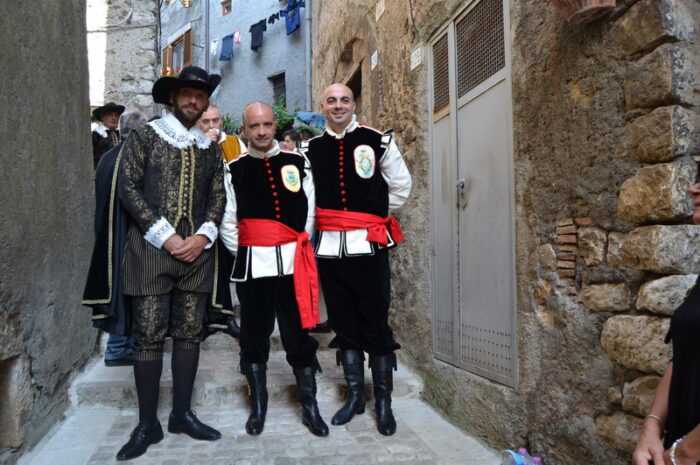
<point>396,175</point>
<point>228,229</point>
<point>309,190</point>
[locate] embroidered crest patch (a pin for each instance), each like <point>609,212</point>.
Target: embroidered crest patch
<point>364,161</point>
<point>291,178</point>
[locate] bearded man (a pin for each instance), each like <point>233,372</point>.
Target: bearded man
<point>171,184</point>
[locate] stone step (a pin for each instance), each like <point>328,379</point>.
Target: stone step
<point>220,384</point>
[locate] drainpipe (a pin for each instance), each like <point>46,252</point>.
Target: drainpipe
<point>206,35</point>
<point>309,57</point>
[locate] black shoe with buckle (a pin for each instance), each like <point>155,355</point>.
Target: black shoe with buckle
<point>143,436</point>
<point>191,426</point>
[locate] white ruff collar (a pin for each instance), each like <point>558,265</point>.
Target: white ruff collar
<point>99,128</point>
<point>171,130</point>
<point>349,128</point>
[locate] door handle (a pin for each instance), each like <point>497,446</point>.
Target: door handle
<point>462,186</point>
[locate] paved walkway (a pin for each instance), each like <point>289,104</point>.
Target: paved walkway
<point>101,418</point>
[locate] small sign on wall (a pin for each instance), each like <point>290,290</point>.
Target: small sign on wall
<point>416,57</point>
<point>379,10</point>
<point>373,60</point>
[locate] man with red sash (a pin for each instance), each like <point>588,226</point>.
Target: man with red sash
<point>360,176</point>
<point>267,222</point>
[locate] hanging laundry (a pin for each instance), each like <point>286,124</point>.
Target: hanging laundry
<point>214,47</point>
<point>292,15</point>
<point>273,18</point>
<point>256,32</point>
<point>237,37</point>
<point>226,48</point>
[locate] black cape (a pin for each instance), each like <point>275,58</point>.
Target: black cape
<point>103,289</point>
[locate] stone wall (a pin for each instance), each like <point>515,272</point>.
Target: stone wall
<point>604,118</point>
<point>46,199</point>
<point>121,37</point>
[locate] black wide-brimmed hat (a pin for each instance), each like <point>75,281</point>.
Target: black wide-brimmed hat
<point>190,76</point>
<point>109,107</point>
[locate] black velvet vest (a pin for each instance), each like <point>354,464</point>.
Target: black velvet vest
<point>271,189</point>
<point>347,175</point>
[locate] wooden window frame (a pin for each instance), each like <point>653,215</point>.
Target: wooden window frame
<point>226,7</point>
<point>167,57</point>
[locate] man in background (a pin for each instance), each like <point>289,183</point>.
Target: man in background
<point>112,316</point>
<point>105,134</point>
<point>232,147</point>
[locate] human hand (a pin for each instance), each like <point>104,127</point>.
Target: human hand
<point>649,447</point>
<point>213,134</point>
<point>173,243</point>
<point>680,458</point>
<point>191,248</point>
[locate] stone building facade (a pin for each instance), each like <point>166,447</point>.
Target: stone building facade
<point>280,66</point>
<point>46,186</point>
<point>601,128</point>
<point>122,43</point>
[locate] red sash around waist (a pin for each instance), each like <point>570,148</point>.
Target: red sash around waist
<point>377,227</point>
<point>268,233</point>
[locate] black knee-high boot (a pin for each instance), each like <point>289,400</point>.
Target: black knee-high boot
<point>382,377</point>
<point>310,416</point>
<point>255,373</point>
<point>185,361</point>
<point>148,367</point>
<point>354,370</point>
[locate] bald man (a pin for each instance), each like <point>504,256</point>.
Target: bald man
<point>360,176</point>
<point>268,219</point>
<point>211,124</point>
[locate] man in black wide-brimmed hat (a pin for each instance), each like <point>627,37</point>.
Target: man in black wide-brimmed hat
<point>171,184</point>
<point>105,134</point>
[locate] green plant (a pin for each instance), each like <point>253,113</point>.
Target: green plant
<point>284,118</point>
<point>229,125</point>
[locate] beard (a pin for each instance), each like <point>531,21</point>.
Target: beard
<point>184,117</point>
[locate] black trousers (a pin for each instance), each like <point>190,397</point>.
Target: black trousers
<point>261,300</point>
<point>358,294</point>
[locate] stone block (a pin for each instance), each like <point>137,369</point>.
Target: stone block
<point>666,76</point>
<point>662,135</point>
<point>547,257</point>
<point>571,229</point>
<point>621,430</point>
<point>567,239</point>
<point>543,290</point>
<point>615,395</point>
<point>637,342</point>
<point>583,221</point>
<point>591,242</point>
<point>638,395</point>
<point>651,22</point>
<point>17,396</point>
<point>608,297</point>
<point>658,248</point>
<point>658,193</point>
<point>665,294</point>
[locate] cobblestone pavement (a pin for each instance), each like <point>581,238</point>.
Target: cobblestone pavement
<point>103,413</point>
<point>93,435</point>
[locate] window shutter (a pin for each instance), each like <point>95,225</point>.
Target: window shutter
<point>187,58</point>
<point>167,57</point>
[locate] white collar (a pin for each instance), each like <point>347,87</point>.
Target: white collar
<point>349,128</point>
<point>99,128</point>
<point>270,153</point>
<point>171,130</point>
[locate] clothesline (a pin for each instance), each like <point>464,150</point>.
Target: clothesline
<point>291,15</point>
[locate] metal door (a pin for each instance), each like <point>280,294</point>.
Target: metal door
<point>476,264</point>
